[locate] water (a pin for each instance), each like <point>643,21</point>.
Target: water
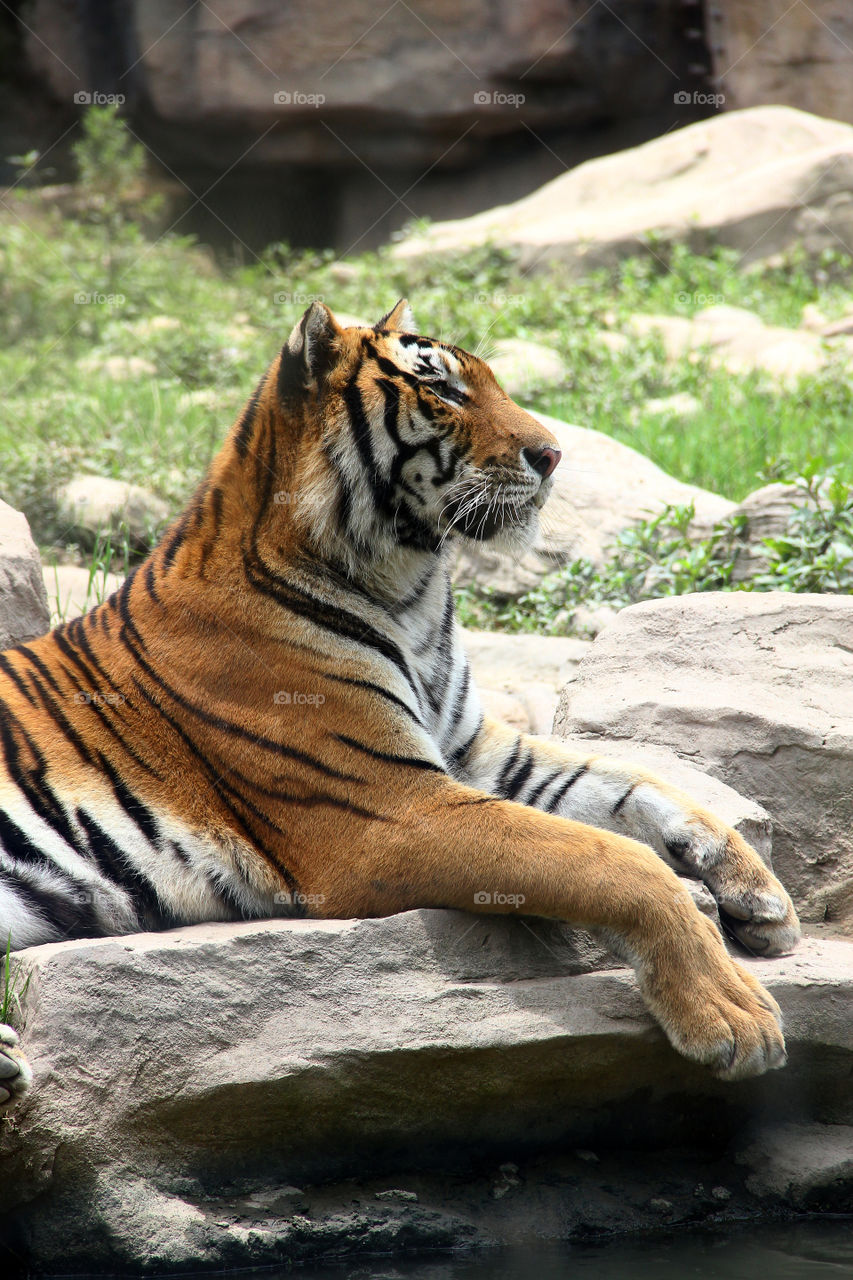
<point>809,1250</point>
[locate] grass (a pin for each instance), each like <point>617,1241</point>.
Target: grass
<point>83,297</point>
<point>13,990</point>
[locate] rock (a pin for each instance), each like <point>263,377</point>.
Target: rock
<point>800,54</point>
<point>73,590</point>
<point>118,368</point>
<point>767,512</point>
<point>98,505</point>
<point>588,620</point>
<point>523,368</point>
<point>530,670</point>
<point>809,1166</point>
<point>153,325</point>
<point>755,689</point>
<point>505,707</point>
<point>23,604</point>
<point>760,181</point>
<point>173,1080</point>
<point>600,488</point>
<point>738,341</point>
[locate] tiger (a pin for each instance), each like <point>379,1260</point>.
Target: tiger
<point>274,714</point>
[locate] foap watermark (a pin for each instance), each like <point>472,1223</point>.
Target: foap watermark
<point>87,98</point>
<point>99,299</point>
<point>297,698</point>
<point>485,899</point>
<point>288,898</point>
<point>496,98</point>
<point>698,99</point>
<point>86,697</point>
<point>501,301</point>
<point>701,299</point>
<point>297,299</point>
<point>296,98</point>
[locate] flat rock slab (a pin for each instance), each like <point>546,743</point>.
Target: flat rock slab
<point>755,688</point>
<point>171,1068</point>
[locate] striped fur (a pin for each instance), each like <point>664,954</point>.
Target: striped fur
<point>275,714</point>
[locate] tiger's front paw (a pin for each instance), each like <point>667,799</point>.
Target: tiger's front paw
<point>15,1073</point>
<point>714,1011</point>
<point>754,906</point>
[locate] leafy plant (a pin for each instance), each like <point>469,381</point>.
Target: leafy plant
<point>660,557</point>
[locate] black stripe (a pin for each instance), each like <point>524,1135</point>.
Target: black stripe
<point>509,765</point>
<point>376,688</point>
<point>619,803</point>
<point>543,786</point>
<point>16,679</point>
<point>115,866</point>
<point>56,906</point>
<point>461,752</point>
<point>413,762</point>
<point>553,803</point>
<point>243,434</point>
<point>149,580</point>
<point>460,701</point>
<point>514,784</point>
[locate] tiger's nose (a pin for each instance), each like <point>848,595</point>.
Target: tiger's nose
<point>542,460</point>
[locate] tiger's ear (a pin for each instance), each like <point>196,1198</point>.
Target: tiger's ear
<point>308,353</point>
<point>401,319</point>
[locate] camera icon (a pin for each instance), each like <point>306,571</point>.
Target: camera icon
<point>280,298</point>
<point>682,98</point>
<point>283,898</point>
<point>82,98</point>
<point>282,697</point>
<point>81,299</point>
<point>482,97</point>
<point>283,98</point>
<point>482,899</point>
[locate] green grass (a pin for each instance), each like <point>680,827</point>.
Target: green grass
<point>63,413</point>
<point>13,989</point>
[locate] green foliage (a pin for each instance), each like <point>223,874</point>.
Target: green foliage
<point>659,557</point>
<point>816,552</point>
<point>13,989</point>
<point>84,299</point>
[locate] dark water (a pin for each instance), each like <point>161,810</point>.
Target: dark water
<point>813,1250</point>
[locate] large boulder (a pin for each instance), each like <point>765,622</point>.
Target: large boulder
<point>757,690</point>
<point>23,604</point>
<point>93,507</point>
<point>759,181</point>
<point>520,677</point>
<point>200,1094</point>
<point>600,488</point>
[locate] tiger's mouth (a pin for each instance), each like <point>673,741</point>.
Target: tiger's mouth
<point>482,519</point>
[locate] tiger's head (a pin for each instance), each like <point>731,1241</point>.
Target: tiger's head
<point>404,440</point>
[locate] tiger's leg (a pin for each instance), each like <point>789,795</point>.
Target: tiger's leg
<point>437,843</point>
<point>623,798</point>
<point>15,1073</point>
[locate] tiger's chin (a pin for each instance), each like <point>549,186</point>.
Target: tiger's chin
<point>508,531</point>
